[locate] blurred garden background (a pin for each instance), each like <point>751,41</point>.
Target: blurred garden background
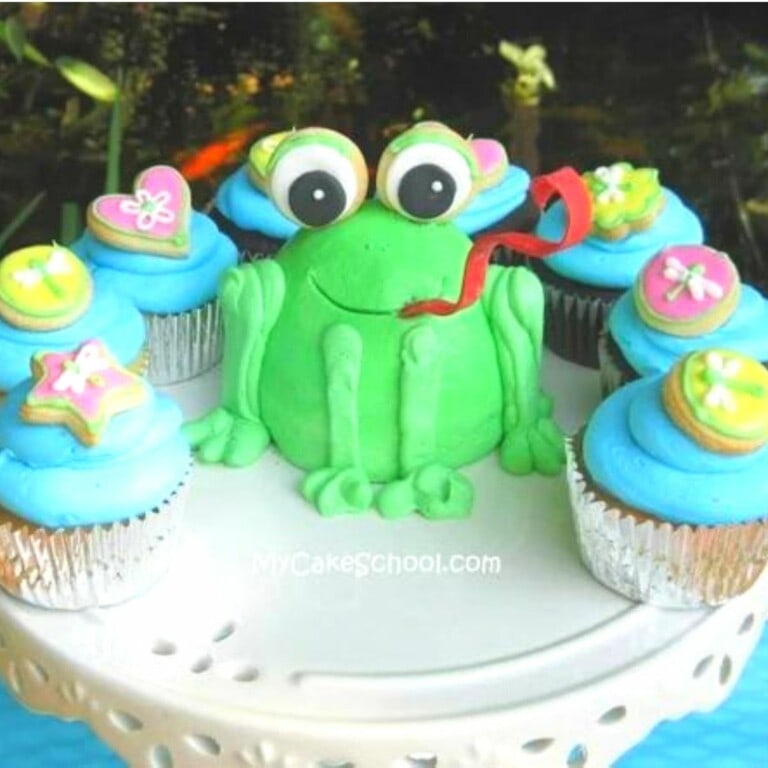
<point>681,87</point>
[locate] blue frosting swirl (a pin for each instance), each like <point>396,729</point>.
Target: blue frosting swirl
<point>650,351</point>
<point>250,209</point>
<point>493,204</point>
<point>49,478</point>
<point>636,453</point>
<point>111,317</point>
<point>159,284</point>
<point>616,263</point>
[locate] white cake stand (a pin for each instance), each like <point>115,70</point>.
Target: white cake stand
<point>231,663</point>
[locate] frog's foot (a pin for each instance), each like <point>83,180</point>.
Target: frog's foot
<point>222,437</point>
<point>336,491</point>
<point>434,491</point>
<point>536,447</point>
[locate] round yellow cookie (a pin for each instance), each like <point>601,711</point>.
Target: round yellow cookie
<point>43,288</point>
<point>720,399</point>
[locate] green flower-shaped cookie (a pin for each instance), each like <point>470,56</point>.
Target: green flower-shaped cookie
<point>625,199</point>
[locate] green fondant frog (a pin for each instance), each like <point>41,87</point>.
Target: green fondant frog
<point>322,356</point>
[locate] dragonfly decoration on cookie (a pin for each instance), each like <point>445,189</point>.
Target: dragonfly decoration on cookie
<point>42,269</point>
<point>81,390</point>
<point>721,373</point>
<point>612,177</point>
<point>43,288</point>
<point>691,279</point>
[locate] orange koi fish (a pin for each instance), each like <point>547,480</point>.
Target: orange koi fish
<point>223,151</point>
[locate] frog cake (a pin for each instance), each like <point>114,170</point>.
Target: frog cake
<point>378,351</point>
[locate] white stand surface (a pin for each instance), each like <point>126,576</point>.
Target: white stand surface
<point>231,662</point>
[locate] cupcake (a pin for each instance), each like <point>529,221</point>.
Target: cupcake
<point>687,297</point>
<point>47,301</point>
<point>669,482</point>
<point>243,210</point>
<point>633,217</point>
<point>503,202</point>
<point>166,258</point>
<point>93,476</point>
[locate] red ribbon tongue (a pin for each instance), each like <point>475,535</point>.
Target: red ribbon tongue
<point>564,182</point>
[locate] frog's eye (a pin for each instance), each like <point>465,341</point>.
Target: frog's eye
<point>317,177</point>
<point>428,173</point>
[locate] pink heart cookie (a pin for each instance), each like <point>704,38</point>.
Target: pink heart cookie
<point>154,219</point>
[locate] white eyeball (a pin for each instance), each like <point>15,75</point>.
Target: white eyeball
<point>314,183</point>
<point>428,173</point>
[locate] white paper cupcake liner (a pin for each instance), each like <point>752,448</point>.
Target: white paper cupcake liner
<point>78,568</point>
<point>651,561</point>
<point>184,345</point>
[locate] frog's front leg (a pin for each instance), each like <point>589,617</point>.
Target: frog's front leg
<point>343,486</point>
<point>433,490</point>
<point>514,303</point>
<point>251,298</point>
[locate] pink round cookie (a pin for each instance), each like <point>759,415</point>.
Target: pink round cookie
<point>687,290</point>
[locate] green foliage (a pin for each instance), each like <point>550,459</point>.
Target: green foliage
<point>71,223</point>
<point>20,218</point>
<point>15,37</point>
<point>87,79</point>
<point>114,146</point>
<point>737,99</point>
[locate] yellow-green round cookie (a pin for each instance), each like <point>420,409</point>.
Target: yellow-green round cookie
<point>43,288</point>
<point>720,399</point>
<point>448,166</point>
<point>625,199</point>
<point>259,156</point>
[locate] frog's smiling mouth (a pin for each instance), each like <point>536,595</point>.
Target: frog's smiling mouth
<point>347,308</point>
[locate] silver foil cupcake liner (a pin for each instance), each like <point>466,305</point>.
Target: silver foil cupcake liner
<point>77,568</point>
<point>184,345</point>
<point>611,378</point>
<point>651,561</point>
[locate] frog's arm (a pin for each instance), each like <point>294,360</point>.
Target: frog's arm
<point>435,491</point>
<point>341,486</point>
<point>514,303</point>
<point>251,299</point>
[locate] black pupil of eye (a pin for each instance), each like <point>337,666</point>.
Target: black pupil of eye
<point>317,198</point>
<point>426,191</point>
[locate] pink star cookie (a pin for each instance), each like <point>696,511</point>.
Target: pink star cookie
<point>82,390</point>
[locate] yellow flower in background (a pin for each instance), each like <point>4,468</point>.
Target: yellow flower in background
<point>282,80</point>
<point>533,72</point>
<point>249,83</point>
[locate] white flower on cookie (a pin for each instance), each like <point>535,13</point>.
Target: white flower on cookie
<point>611,176</point>
<point>82,371</point>
<point>57,263</point>
<point>690,279</point>
<point>719,395</point>
<point>149,209</point>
